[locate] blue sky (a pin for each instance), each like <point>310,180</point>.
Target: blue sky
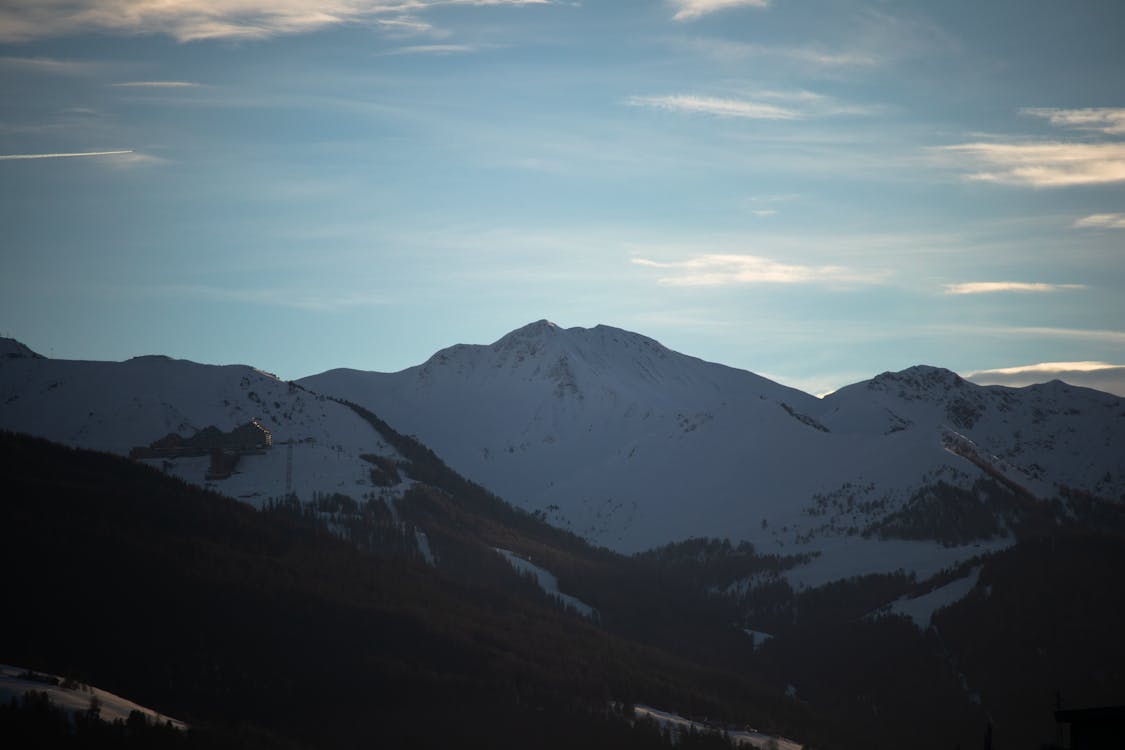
<point>815,191</point>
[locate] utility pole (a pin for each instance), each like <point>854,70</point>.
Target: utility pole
<point>288,468</point>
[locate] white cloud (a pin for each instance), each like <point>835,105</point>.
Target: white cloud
<point>691,9</point>
<point>988,287</point>
<point>715,106</point>
<point>1101,221</point>
<point>1051,163</point>
<point>720,269</point>
<point>63,156</point>
<point>1108,120</point>
<point>1100,375</point>
<point>1043,164</point>
<point>192,20</point>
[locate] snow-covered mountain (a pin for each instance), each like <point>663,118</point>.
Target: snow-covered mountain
<point>117,406</point>
<point>633,445</point>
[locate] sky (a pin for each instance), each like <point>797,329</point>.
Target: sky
<point>814,190</point>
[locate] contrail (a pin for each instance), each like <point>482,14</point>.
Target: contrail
<point>62,156</point>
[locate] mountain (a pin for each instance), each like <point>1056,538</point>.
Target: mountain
<point>934,567</point>
<point>119,406</point>
<point>631,445</point>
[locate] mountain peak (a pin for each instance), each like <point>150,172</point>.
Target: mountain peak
<point>12,349</point>
<point>538,329</point>
<point>919,381</point>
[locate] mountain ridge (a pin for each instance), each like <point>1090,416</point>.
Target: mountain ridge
<point>610,435</point>
<point>567,423</point>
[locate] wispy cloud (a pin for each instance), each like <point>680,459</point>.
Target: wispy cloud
<point>688,10</point>
<point>729,269</point>
<point>47,65</point>
<point>731,51</point>
<point>990,287</point>
<point>62,156</point>
<point>1049,164</point>
<point>1047,367</point>
<point>763,104</point>
<point>712,105</point>
<point>1101,221</point>
<point>156,85</point>
<point>1042,164</point>
<point>1095,335</point>
<point>308,300</point>
<point>1100,375</point>
<point>192,20</point>
<point>433,49</point>
<point>1108,120</point>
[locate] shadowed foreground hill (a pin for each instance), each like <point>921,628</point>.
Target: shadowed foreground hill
<point>209,610</point>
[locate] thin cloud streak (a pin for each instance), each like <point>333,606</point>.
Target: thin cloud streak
<point>1101,221</point>
<point>729,269</point>
<point>1047,367</point>
<point>195,20</point>
<point>432,49</point>
<point>991,287</point>
<point>1108,120</point>
<point>156,85</point>
<point>1099,375</point>
<point>1043,164</point>
<point>289,298</point>
<point>48,65</point>
<point>711,105</point>
<point>691,9</point>
<point>7,157</point>
<point>730,51</point>
<point>1097,335</point>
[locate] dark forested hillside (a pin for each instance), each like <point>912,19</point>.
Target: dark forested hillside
<point>216,613</point>
<point>316,624</point>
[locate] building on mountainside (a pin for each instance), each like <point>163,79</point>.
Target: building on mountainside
<point>224,448</point>
<point>1091,728</point>
<point>252,437</point>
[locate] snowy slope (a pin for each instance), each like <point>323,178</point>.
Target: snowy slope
<point>620,433</point>
<point>74,697</point>
<point>115,406</point>
<point>1040,435</point>
<point>632,445</point>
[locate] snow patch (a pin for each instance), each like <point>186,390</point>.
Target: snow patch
<point>549,583</point>
<point>757,637</point>
<point>423,543</point>
<point>921,609</point>
<point>677,724</point>
<point>846,557</point>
